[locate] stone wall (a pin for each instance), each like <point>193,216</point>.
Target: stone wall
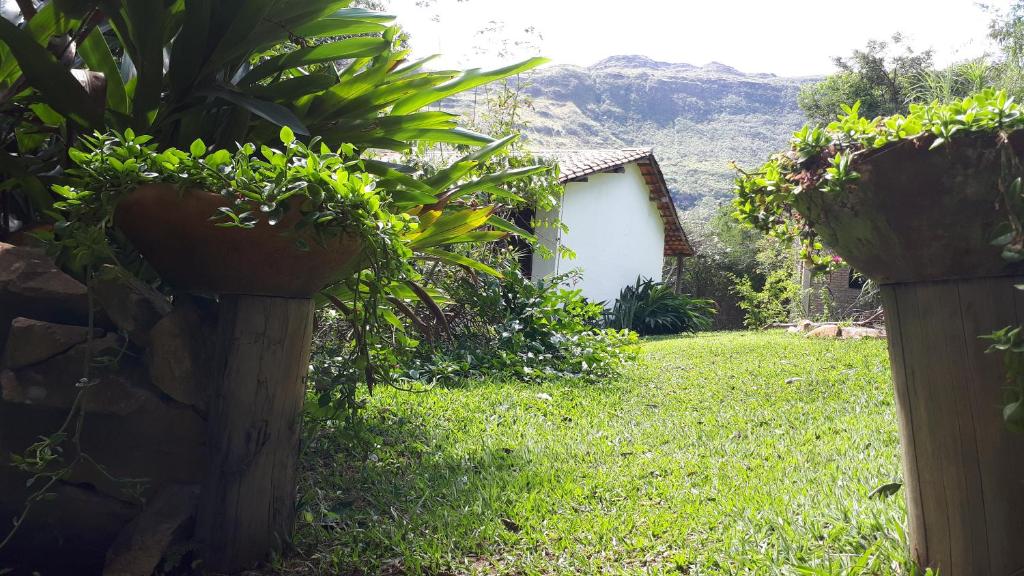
<point>132,489</point>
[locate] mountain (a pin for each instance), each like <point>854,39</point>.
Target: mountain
<point>697,118</point>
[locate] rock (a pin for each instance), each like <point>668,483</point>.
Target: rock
<point>141,544</point>
<point>826,331</point>
<point>132,305</point>
<point>28,272</point>
<point>859,332</point>
<point>30,341</point>
<point>54,382</point>
<point>68,533</point>
<point>31,286</point>
<point>178,356</point>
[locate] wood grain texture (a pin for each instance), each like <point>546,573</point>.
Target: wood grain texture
<point>247,508</point>
<point>963,469</point>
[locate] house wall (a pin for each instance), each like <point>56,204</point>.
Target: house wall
<point>615,230</point>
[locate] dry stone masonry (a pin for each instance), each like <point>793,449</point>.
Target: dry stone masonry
<point>133,494</point>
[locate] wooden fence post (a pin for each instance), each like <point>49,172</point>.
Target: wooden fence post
<point>963,468</point>
<point>247,506</point>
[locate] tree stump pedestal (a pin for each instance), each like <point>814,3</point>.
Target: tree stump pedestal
<point>963,468</point>
<point>920,223</point>
<point>247,505</point>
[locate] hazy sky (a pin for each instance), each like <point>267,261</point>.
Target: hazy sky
<point>786,37</point>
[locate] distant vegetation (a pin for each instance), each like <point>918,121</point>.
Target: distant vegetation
<point>698,119</point>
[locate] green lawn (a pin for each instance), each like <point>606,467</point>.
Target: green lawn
<point>725,453</point>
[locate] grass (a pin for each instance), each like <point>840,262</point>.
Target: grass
<point>725,453</point>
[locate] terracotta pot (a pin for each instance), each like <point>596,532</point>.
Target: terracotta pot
<point>917,214</point>
<point>173,231</point>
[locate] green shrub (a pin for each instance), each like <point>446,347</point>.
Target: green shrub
<point>522,328</point>
<point>650,307</point>
<point>772,303</point>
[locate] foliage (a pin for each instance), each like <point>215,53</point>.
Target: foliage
<point>328,190</point>
<point>683,464</point>
<point>726,250</point>
<point>526,329</point>
<point>333,81</point>
<point>956,81</point>
<point>826,159</point>
<point>235,71</point>
<point>882,77</point>
<point>822,101</point>
<point>1006,28</point>
<point>1010,342</point>
<point>772,303</point>
<point>650,308</point>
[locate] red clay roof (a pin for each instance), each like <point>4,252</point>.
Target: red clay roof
<point>575,164</point>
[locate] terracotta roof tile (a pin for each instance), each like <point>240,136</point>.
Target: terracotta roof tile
<point>579,163</point>
<point>575,164</point>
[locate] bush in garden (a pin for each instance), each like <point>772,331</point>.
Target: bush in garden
<point>772,303</point>
<point>522,328</point>
<point>648,307</point>
<point>725,250</point>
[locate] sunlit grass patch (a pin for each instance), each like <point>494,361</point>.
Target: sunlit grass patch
<point>726,453</point>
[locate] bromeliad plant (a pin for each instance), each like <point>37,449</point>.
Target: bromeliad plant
<point>223,71</point>
<point>823,162</point>
<point>312,196</point>
<point>649,308</point>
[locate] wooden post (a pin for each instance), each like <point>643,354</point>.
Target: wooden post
<point>679,273</point>
<point>963,468</point>
<point>247,507</point>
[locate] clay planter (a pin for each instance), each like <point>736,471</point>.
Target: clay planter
<point>264,329</point>
<point>173,231</point>
<point>920,223</point>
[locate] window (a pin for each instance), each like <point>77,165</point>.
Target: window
<point>856,280</point>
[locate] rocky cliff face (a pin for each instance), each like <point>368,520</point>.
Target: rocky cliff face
<point>697,118</point>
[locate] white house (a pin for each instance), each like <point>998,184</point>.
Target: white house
<point>620,217</point>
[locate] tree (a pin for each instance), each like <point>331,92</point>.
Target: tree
<point>882,77</point>
<point>1006,28</point>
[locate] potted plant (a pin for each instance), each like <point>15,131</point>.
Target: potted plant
<point>284,222</point>
<point>928,205</point>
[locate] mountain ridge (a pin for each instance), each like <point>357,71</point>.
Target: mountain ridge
<point>698,119</point>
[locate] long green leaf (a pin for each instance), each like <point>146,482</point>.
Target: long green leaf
<point>350,48</point>
<point>445,178</point>
<point>293,88</point>
<point>269,111</point>
<point>338,26</point>
<point>501,224</point>
<point>96,54</point>
<point>146,21</point>
<point>490,181</point>
<point>190,48</point>
<point>460,260</point>
<point>479,237</point>
<point>455,136</point>
<point>450,225</point>
<point>47,76</point>
<point>466,81</point>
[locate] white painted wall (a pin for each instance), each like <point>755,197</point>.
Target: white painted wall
<point>615,230</point>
